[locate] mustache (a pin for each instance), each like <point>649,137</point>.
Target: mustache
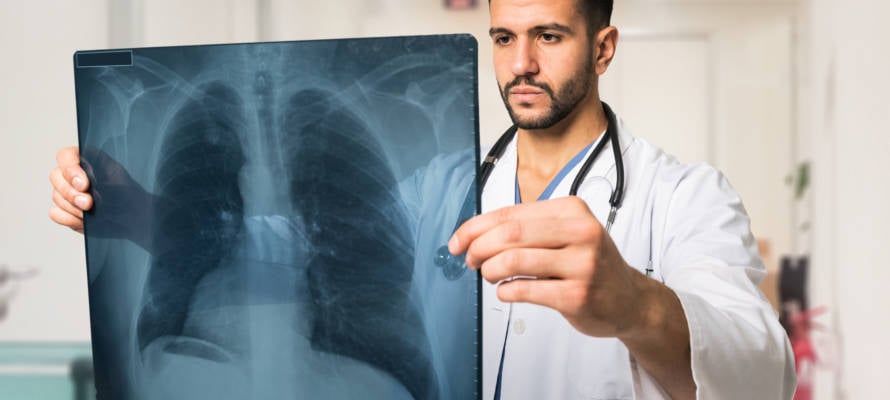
<point>528,82</point>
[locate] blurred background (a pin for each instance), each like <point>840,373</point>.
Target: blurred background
<point>787,97</point>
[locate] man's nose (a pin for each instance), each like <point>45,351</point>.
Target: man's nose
<point>525,60</point>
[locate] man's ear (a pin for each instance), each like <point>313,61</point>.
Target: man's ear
<point>606,43</point>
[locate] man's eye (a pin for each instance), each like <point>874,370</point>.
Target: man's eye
<point>502,40</point>
<point>549,38</point>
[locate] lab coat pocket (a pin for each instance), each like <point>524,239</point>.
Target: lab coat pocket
<point>599,368</point>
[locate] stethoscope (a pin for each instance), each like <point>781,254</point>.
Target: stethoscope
<point>453,266</point>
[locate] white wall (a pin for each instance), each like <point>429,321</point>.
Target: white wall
<point>845,120</point>
<point>713,81</point>
<point>37,40</point>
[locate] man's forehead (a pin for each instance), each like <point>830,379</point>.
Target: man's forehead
<point>524,14</point>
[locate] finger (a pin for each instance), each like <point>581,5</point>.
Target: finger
<point>66,206</point>
<point>68,156</point>
<point>61,217</point>
<point>539,263</point>
<point>77,177</point>
<point>73,196</point>
<point>565,207</point>
<point>68,160</point>
<point>555,294</point>
<point>550,233</point>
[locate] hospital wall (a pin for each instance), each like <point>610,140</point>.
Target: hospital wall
<point>752,86</point>
<point>844,120</point>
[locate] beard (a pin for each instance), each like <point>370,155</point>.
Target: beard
<point>562,101</point>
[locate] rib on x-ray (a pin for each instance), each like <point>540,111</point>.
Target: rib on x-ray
<point>266,214</point>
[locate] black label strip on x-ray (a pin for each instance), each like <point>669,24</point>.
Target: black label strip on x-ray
<point>123,58</point>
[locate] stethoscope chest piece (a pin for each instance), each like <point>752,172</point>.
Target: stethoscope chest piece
<point>452,266</point>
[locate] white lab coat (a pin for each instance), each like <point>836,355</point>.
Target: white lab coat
<point>691,224</point>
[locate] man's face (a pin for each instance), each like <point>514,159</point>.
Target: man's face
<point>543,59</point>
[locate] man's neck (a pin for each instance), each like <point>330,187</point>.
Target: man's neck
<point>544,152</point>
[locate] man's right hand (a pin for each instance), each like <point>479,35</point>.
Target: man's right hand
<point>70,185</point>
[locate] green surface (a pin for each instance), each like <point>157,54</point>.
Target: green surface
<point>38,371</point>
<point>35,387</point>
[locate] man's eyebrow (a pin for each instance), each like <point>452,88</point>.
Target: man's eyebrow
<point>554,27</point>
<point>538,28</point>
<point>495,31</point>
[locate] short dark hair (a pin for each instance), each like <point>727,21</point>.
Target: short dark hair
<point>598,13</point>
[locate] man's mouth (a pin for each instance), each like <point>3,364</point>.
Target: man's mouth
<point>524,89</point>
<point>525,94</point>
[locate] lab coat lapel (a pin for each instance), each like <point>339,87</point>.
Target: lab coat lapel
<point>605,165</point>
<point>500,189</point>
<point>498,193</point>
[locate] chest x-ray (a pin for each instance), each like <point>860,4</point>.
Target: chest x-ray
<point>265,218</point>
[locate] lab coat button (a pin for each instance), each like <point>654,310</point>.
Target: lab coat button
<point>519,326</point>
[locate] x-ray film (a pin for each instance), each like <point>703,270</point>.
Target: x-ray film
<point>269,219</point>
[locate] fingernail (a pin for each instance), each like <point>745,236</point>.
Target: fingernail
<point>78,182</point>
<point>82,202</point>
<point>453,244</point>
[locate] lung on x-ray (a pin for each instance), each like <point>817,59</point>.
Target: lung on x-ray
<point>269,219</point>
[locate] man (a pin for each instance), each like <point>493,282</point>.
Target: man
<point>585,321</point>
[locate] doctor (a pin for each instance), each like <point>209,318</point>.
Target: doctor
<point>586,321</point>
<point>664,304</point>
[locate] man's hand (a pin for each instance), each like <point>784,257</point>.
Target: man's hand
<point>577,270</point>
<point>119,205</point>
<point>575,266</point>
<point>70,185</point>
